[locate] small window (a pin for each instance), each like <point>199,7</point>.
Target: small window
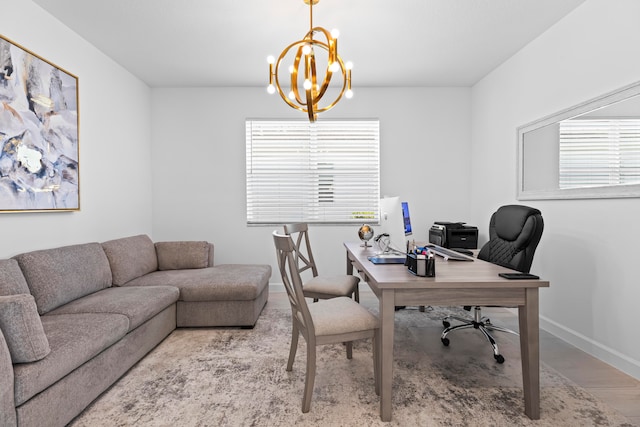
<point>323,172</point>
<point>599,152</point>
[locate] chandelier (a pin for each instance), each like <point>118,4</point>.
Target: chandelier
<point>305,55</point>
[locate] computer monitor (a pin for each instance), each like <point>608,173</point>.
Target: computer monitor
<point>407,219</point>
<point>392,223</point>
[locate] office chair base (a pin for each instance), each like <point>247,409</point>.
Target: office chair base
<point>481,323</point>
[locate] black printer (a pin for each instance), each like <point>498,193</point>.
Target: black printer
<point>453,235</point>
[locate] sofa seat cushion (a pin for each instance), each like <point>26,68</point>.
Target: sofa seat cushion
<point>73,339</point>
<point>139,304</point>
<point>60,275</point>
<point>225,282</point>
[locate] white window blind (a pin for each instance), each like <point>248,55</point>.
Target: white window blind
<point>599,152</point>
<point>322,172</point>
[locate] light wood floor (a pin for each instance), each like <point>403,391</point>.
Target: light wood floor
<point>617,389</point>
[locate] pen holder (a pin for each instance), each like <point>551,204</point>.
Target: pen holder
<point>421,265</point>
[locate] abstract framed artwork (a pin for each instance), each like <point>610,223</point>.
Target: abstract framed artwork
<point>39,152</point>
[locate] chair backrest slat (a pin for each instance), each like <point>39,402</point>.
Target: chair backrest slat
<point>293,283</point>
<point>299,232</point>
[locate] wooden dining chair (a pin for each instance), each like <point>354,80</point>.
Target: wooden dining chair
<point>319,286</point>
<point>331,321</point>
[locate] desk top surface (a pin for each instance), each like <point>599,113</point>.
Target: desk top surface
<point>459,274</point>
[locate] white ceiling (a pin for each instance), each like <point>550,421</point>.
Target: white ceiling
<point>391,43</point>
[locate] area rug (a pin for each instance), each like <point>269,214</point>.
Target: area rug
<point>236,377</point>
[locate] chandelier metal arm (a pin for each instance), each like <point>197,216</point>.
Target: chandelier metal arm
<point>306,56</point>
<point>331,47</point>
<point>310,76</point>
<point>294,75</point>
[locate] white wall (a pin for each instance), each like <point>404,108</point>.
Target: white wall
<point>199,164</point>
<point>115,138</point>
<point>589,247</point>
<point>587,250</point>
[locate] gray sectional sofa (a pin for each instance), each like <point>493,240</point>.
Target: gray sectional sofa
<point>74,319</point>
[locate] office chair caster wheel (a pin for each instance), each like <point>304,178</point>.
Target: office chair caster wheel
<point>498,358</point>
<point>445,341</point>
<point>446,324</point>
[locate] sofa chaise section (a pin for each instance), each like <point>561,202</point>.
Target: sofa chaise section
<point>224,295</point>
<point>210,295</point>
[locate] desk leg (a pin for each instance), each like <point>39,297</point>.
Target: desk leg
<point>387,314</point>
<point>530,352</point>
<point>349,265</point>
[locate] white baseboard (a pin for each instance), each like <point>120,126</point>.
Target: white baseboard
<point>276,287</point>
<point>608,355</point>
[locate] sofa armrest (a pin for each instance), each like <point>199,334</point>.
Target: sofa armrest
<point>7,402</point>
<point>210,254</point>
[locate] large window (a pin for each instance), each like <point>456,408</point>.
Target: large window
<point>322,172</point>
<point>599,152</point>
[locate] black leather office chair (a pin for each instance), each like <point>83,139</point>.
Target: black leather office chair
<point>514,234</point>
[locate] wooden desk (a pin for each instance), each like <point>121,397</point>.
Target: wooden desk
<point>456,283</point>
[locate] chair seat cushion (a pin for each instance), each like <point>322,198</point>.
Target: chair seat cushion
<point>340,316</point>
<point>331,286</point>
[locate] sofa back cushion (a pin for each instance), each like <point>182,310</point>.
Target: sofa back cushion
<point>22,328</point>
<point>58,276</point>
<point>182,255</point>
<point>130,258</point>
<point>12,281</point>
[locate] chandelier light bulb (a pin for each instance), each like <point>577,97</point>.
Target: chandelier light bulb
<point>307,84</point>
<point>271,59</point>
<point>334,67</point>
<point>348,94</point>
<point>271,89</point>
<point>335,33</point>
<point>348,65</point>
<point>292,95</point>
<point>306,49</point>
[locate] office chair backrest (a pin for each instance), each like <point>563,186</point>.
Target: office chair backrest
<point>303,255</point>
<point>514,234</point>
<point>288,267</point>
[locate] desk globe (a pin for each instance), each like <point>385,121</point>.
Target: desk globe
<point>365,233</point>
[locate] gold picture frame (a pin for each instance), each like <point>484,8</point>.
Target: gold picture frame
<point>39,132</point>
